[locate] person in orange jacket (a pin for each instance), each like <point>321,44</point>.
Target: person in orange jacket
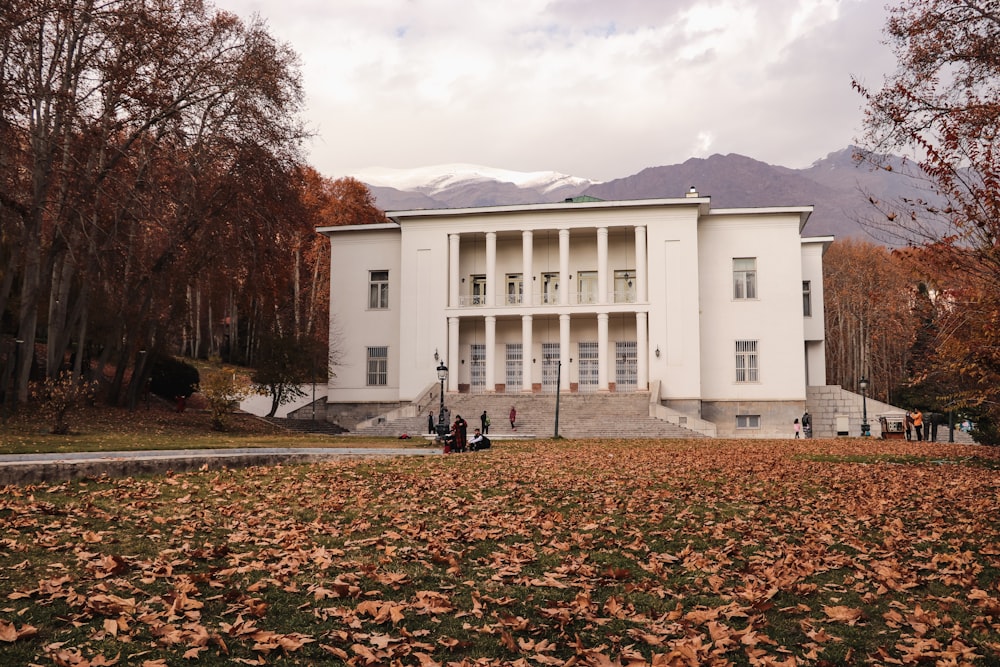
<point>918,423</point>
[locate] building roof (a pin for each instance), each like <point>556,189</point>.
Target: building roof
<point>575,203</point>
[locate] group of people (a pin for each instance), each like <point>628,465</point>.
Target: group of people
<point>456,437</point>
<point>803,428</point>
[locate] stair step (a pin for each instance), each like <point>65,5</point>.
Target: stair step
<point>580,416</point>
<point>307,425</point>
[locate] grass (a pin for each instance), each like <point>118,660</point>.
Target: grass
<point>159,428</point>
<point>707,552</point>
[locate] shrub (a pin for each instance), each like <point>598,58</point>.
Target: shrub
<point>59,396</point>
<point>224,389</point>
<point>986,432</point>
<point>171,378</point>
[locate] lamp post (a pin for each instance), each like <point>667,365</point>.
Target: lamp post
<point>865,428</point>
<point>442,427</point>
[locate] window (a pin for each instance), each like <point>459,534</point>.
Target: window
<point>378,290</point>
<point>588,286</point>
<point>515,288</point>
<point>378,366</point>
<point>747,421</point>
<point>550,288</point>
<point>807,307</point>
<point>625,286</point>
<point>746,361</point>
<point>478,290</point>
<point>745,278</point>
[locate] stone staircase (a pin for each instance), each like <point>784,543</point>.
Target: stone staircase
<point>307,425</point>
<point>580,416</point>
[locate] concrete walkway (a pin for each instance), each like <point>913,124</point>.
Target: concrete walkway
<point>47,468</point>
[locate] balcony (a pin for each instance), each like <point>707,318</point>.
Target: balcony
<point>546,300</point>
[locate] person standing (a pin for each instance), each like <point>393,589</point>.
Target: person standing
<point>908,422</point>
<point>484,422</point>
<point>918,424</point>
<point>461,433</point>
<point>513,418</point>
<point>430,422</point>
<point>797,427</point>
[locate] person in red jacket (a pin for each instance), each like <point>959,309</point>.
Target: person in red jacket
<point>513,418</point>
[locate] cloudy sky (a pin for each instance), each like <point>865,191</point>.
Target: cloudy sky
<point>594,88</point>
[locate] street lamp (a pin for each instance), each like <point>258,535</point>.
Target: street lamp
<point>865,428</point>
<point>442,427</point>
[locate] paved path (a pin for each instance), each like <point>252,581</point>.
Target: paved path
<point>36,468</point>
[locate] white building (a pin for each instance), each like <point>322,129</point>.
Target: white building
<point>719,311</point>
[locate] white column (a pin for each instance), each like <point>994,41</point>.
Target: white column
<point>602,265</point>
<point>564,352</point>
<point>641,351</point>
<point>526,353</point>
<point>454,361</point>
<point>491,269</point>
<point>454,245</point>
<point>641,266</point>
<point>564,266</point>
<point>527,253</point>
<point>602,351</point>
<point>491,353</point>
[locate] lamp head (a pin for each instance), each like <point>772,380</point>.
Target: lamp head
<point>442,371</point>
<point>863,384</point>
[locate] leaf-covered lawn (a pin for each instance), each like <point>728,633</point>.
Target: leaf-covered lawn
<point>541,553</point>
<point>101,429</point>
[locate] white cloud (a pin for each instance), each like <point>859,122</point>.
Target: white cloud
<point>586,87</point>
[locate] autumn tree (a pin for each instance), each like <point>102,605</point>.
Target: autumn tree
<point>292,331</point>
<point>148,149</point>
<point>942,108</point>
<point>869,328</point>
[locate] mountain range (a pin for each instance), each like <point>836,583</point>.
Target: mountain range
<point>839,188</point>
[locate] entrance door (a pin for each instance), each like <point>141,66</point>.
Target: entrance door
<point>515,289</point>
<point>477,367</point>
<point>515,368</point>
<point>588,286</point>
<point>625,286</point>
<point>550,366</point>
<point>626,365</point>
<point>550,288</point>
<point>587,355</point>
<point>478,290</point>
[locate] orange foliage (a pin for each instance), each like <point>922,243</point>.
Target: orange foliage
<point>584,552</point>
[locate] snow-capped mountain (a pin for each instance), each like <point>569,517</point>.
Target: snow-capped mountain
<point>837,187</point>
<point>436,179</point>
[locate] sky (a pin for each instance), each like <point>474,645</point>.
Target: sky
<point>598,89</point>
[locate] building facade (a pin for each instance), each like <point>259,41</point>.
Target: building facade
<point>718,311</point>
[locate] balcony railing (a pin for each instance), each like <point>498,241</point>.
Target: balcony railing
<point>575,298</point>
